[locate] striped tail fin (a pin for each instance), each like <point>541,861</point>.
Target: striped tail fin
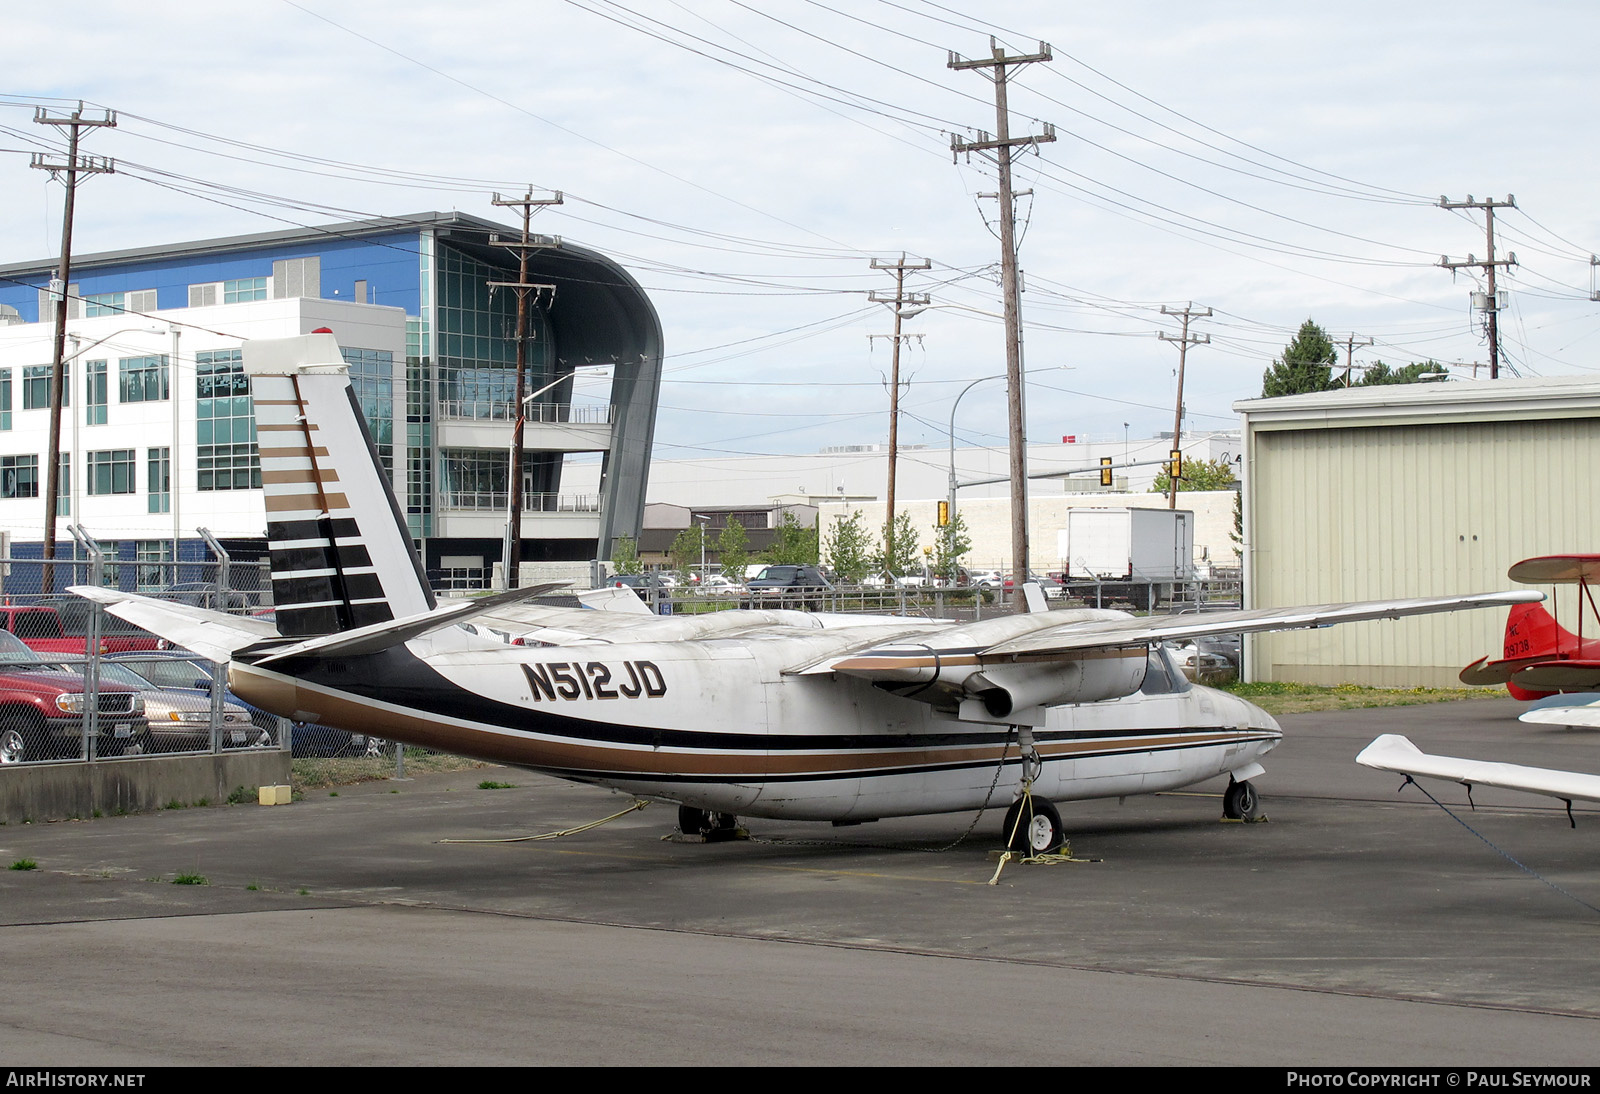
<point>341,554</point>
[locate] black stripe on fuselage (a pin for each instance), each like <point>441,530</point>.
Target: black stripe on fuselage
<point>981,763</point>
<point>399,677</point>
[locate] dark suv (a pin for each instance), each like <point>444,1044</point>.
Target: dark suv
<point>788,587</point>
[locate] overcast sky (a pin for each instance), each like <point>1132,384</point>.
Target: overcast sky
<point>747,161</point>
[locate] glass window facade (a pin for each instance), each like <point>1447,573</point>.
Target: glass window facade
<point>242,289</point>
<point>5,398</point>
<point>226,454</point>
<point>94,393</point>
<point>111,472</point>
<point>154,562</point>
<point>19,476</point>
<point>104,303</point>
<point>36,387</point>
<point>143,379</point>
<point>158,487</point>
<point>372,380</point>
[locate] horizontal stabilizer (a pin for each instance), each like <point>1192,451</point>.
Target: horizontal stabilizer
<point>381,636</point>
<point>1392,752</point>
<point>213,635</point>
<point>1567,674</point>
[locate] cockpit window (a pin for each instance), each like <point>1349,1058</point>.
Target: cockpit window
<point>1163,676</point>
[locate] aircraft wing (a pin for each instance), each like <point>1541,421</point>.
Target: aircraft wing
<point>1392,752</point>
<point>1557,570</point>
<point>213,635</point>
<point>1146,629</point>
<point>1578,715</point>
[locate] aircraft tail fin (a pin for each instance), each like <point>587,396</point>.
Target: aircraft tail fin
<point>1532,632</point>
<point>342,556</point>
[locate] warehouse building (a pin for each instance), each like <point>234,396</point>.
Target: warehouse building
<point>1432,489</point>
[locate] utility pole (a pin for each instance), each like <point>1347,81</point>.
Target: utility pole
<point>1349,355</point>
<point>512,555</point>
<point>1492,300</point>
<point>1185,340</point>
<point>897,302</point>
<point>1001,145</point>
<point>71,168</point>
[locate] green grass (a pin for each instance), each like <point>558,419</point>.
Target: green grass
<point>1287,698</point>
<point>24,864</point>
<point>490,784</point>
<point>326,773</point>
<point>190,879</point>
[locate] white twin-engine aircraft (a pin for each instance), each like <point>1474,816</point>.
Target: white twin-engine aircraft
<point>782,714</point>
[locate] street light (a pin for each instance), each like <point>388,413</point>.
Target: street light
<point>953,408</point>
<point>705,524</point>
<point>514,479</point>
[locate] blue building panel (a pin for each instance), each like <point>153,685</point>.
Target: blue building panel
<point>388,264</point>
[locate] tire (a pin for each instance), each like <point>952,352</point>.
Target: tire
<point>13,745</point>
<point>705,822</point>
<point>1033,827</point>
<point>1241,802</point>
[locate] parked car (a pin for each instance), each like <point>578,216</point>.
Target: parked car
<point>179,720</point>
<point>1052,588</point>
<point>717,585</point>
<point>42,707</point>
<point>57,628</point>
<point>205,594</point>
<point>1202,665</point>
<point>787,587</point>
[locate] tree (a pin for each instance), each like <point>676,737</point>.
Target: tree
<point>1380,373</point>
<point>907,556</point>
<point>950,544</point>
<point>1198,475</point>
<point>687,548</point>
<point>733,550</point>
<point>850,550</point>
<point>795,545</point>
<point>625,555</point>
<point>1306,365</point>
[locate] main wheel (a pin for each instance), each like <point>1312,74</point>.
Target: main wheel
<point>1033,826</point>
<point>706,822</point>
<point>1241,802</point>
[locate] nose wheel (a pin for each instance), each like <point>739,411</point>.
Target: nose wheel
<point>1241,802</point>
<point>1033,826</point>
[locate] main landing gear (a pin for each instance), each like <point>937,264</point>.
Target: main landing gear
<point>1240,802</point>
<point>1033,826</point>
<point>707,824</point>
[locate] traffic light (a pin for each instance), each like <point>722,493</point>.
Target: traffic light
<point>1175,464</point>
<point>944,513</point>
<point>1105,470</point>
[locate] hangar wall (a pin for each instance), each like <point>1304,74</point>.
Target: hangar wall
<point>1435,491</point>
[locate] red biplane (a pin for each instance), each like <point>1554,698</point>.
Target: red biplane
<point>1541,657</point>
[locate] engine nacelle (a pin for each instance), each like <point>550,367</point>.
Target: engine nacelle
<point>1102,674</point>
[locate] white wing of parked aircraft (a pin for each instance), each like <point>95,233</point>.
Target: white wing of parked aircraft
<point>1392,752</point>
<point>785,714</point>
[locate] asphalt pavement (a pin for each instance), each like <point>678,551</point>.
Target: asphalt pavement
<point>410,923</point>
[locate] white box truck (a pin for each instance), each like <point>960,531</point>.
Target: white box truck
<point>1137,555</point>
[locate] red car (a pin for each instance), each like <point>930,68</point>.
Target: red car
<point>42,705</point>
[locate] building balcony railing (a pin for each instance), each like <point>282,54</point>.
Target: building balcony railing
<point>491,410</point>
<point>531,503</point>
